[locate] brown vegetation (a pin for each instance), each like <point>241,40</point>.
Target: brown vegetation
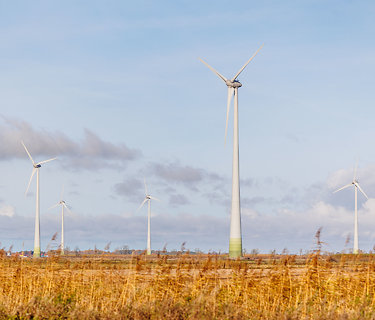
<point>188,287</point>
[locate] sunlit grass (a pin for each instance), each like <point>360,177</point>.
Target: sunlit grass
<point>189,287</point>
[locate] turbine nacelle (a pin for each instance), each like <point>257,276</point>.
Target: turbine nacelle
<point>36,166</point>
<point>233,84</point>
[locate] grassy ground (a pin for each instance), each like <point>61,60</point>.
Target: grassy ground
<point>188,287</point>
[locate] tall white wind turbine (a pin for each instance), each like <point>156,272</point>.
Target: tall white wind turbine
<point>235,240</point>
<point>148,199</point>
<point>356,186</point>
<point>63,205</point>
<point>36,167</point>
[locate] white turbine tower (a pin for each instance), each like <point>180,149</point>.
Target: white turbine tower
<point>36,167</point>
<point>235,240</point>
<point>356,187</point>
<point>63,205</point>
<point>148,199</point>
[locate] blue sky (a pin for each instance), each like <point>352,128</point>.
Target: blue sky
<point>115,90</point>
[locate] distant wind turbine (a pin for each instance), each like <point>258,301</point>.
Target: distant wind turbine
<point>235,240</point>
<point>36,167</point>
<point>63,205</point>
<point>356,187</point>
<point>148,199</point>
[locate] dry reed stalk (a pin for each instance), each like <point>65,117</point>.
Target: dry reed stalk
<point>194,287</point>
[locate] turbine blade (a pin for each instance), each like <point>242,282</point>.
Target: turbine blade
<point>144,201</point>
<point>230,94</point>
<point>238,73</point>
<point>28,153</point>
<point>144,180</point>
<point>344,187</point>
<point>31,178</point>
<point>214,71</point>
<point>355,170</point>
<point>66,207</point>
<point>360,189</point>
<point>153,198</point>
<point>62,193</point>
<point>54,206</point>
<point>41,162</point>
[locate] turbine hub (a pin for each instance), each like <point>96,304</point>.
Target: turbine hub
<point>36,166</point>
<point>233,84</point>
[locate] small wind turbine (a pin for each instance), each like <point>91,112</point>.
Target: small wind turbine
<point>36,167</point>
<point>356,187</point>
<point>235,240</point>
<point>63,205</point>
<point>148,199</point>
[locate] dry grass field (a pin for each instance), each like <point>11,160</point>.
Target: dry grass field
<point>188,287</point>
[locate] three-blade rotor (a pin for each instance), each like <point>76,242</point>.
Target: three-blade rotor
<point>354,183</point>
<point>147,196</point>
<point>61,202</point>
<point>232,84</point>
<point>36,166</point>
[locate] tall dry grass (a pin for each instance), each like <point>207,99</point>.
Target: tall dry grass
<point>188,287</point>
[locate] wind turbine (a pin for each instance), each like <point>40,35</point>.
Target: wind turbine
<point>235,240</point>
<point>148,199</point>
<point>63,205</point>
<point>36,167</point>
<point>356,187</point>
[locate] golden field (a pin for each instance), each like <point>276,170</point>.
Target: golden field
<point>187,286</point>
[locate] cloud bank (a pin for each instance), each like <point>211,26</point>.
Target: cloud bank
<point>90,153</point>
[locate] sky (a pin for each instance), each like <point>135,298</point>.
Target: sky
<point>116,92</point>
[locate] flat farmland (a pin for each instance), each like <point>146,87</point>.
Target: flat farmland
<point>188,286</point>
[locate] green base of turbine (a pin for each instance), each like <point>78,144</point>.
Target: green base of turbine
<point>235,248</point>
<point>36,253</point>
<point>148,252</point>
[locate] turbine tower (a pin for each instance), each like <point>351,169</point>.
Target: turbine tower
<point>148,199</point>
<point>235,240</point>
<point>356,186</point>
<point>63,205</point>
<point>36,167</point>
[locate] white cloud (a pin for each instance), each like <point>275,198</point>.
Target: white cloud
<point>7,210</point>
<point>340,178</point>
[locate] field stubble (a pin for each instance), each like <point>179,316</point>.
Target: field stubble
<point>188,287</point>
